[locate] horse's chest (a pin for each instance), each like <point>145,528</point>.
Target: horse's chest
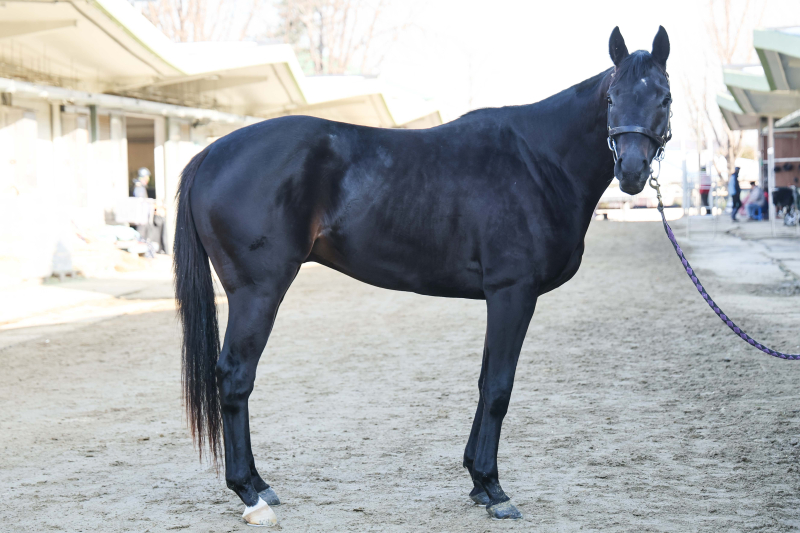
<point>565,273</point>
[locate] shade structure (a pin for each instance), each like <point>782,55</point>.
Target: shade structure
<point>779,52</point>
<point>106,46</point>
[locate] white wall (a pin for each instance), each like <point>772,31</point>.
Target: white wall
<point>58,180</point>
<point>29,226</point>
<point>179,149</point>
<point>54,182</point>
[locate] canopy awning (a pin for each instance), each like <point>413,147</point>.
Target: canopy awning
<point>779,52</point>
<point>750,89</point>
<point>733,114</point>
<point>107,46</point>
<point>792,120</point>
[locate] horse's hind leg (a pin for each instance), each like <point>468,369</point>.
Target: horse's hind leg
<point>266,492</point>
<point>252,311</point>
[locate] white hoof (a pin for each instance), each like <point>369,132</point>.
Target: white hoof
<point>260,515</point>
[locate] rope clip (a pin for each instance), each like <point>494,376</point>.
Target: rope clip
<point>655,185</point>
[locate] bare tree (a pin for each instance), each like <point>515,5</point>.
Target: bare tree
<point>696,95</point>
<point>704,117</point>
<point>730,27</point>
<point>338,36</point>
<point>203,20</point>
<point>329,36</point>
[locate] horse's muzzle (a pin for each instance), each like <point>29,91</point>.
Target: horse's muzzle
<point>632,174</point>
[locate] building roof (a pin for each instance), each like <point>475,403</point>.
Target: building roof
<point>779,52</point>
<point>106,46</point>
<point>792,120</point>
<point>771,89</point>
<point>751,90</point>
<point>733,114</point>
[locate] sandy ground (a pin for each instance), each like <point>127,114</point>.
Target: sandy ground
<point>634,408</point>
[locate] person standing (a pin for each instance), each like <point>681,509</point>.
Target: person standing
<point>705,188</point>
<point>140,191</point>
<point>735,192</point>
<point>141,182</point>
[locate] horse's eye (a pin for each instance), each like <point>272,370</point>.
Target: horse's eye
<point>667,101</point>
<point>609,100</point>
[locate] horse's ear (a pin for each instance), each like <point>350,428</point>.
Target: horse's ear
<point>616,47</point>
<point>660,51</point>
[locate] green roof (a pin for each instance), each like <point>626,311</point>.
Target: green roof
<point>779,52</point>
<point>773,90</point>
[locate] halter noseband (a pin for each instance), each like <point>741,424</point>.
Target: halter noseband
<point>661,140</point>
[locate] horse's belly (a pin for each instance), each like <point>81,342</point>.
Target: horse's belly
<point>412,267</point>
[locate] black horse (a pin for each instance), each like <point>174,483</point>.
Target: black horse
<point>493,206</point>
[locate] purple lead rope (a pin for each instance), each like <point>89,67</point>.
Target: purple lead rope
<point>736,329</point>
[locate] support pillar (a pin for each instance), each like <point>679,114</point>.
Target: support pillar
<point>771,172</point>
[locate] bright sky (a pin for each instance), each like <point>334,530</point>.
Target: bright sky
<point>523,51</point>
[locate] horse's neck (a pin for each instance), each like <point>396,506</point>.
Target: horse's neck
<point>574,141</point>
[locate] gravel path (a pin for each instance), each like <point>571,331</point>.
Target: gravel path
<point>634,410</point>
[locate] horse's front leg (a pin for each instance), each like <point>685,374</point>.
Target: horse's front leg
<point>509,313</point>
<point>477,495</point>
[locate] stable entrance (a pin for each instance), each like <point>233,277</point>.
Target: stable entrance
<point>141,136</point>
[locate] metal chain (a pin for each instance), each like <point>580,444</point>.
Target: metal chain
<point>691,273</point>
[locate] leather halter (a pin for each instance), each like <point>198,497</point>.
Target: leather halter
<point>661,140</point>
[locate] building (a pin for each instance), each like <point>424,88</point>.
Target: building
<point>90,91</point>
<point>766,97</point>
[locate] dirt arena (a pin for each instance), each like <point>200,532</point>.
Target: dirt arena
<point>634,410</point>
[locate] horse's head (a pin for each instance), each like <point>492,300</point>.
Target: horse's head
<point>638,109</point>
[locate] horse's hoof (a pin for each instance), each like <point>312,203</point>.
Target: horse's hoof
<point>480,498</point>
<point>503,511</point>
<point>269,496</point>
<point>260,515</point>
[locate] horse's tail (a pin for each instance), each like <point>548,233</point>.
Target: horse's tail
<point>194,295</point>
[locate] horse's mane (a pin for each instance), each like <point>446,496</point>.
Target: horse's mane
<point>579,88</point>
<point>590,84</point>
<point>482,110</point>
<point>636,65</point>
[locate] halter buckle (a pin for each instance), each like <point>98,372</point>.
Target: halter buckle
<point>655,175</point>
<point>612,145</point>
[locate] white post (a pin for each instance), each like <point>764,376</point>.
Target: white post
<point>684,182</point>
<point>709,166</point>
<point>160,172</point>
<point>173,166</point>
<point>687,193</point>
<point>119,187</point>
<point>55,134</point>
<point>771,173</point>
